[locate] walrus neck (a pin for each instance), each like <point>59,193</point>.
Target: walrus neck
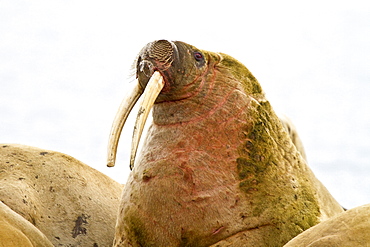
<point>215,93</point>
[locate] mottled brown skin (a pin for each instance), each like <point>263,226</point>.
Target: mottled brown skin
<point>217,167</point>
<point>68,201</point>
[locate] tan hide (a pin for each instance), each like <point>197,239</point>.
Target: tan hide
<point>348,229</point>
<point>70,202</point>
<point>15,231</point>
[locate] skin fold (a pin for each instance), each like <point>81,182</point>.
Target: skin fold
<point>217,167</point>
<point>16,231</point>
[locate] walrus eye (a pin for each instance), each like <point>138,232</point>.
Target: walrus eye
<point>198,56</point>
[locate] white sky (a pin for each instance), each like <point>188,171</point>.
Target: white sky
<point>65,67</point>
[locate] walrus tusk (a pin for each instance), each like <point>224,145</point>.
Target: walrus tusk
<point>152,89</point>
<point>150,93</point>
<point>123,111</point>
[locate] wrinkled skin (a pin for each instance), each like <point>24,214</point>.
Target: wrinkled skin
<point>217,167</point>
<point>293,134</point>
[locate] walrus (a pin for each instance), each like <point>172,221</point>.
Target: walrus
<point>217,167</point>
<point>348,229</point>
<point>71,203</point>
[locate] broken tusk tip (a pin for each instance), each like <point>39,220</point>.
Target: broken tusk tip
<point>132,164</point>
<point>110,164</point>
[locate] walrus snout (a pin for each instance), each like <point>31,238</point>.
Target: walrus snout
<point>161,51</point>
<point>158,56</point>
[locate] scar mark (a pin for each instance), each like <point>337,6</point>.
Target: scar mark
<point>79,226</point>
<point>218,230</point>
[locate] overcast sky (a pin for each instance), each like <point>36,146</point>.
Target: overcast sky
<point>65,67</point>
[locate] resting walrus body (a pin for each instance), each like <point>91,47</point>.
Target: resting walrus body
<point>67,200</point>
<point>217,167</point>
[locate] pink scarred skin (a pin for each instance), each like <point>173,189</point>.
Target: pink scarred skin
<point>216,164</point>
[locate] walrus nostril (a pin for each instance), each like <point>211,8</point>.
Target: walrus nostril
<point>161,50</point>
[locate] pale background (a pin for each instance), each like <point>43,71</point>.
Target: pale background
<point>65,67</point>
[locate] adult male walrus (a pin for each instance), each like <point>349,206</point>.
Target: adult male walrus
<point>217,167</point>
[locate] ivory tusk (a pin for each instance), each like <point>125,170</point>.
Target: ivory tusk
<point>120,119</point>
<point>152,89</point>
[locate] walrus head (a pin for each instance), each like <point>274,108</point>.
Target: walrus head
<point>170,71</point>
<point>178,63</point>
